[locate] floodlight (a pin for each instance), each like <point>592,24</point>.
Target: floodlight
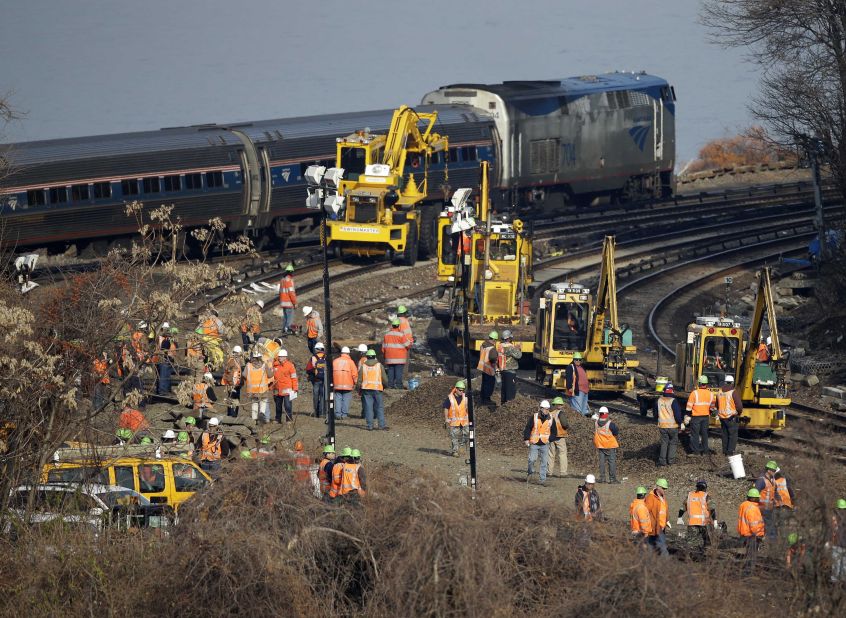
<point>314,199</point>
<point>459,198</point>
<point>314,174</point>
<point>333,176</point>
<point>333,203</point>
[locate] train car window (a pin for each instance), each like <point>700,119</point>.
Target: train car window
<point>172,183</point>
<point>58,195</point>
<point>129,187</point>
<point>193,182</point>
<point>102,190</point>
<point>35,197</point>
<point>623,99</point>
<point>437,158</point>
<point>151,184</point>
<point>214,179</point>
<point>468,153</point>
<point>453,155</point>
<point>79,193</point>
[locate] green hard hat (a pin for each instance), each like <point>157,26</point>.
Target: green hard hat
<point>772,465</point>
<point>190,420</point>
<point>174,330</point>
<point>558,401</point>
<point>640,490</point>
<point>577,356</point>
<point>792,538</point>
<point>402,309</point>
<point>289,268</point>
<point>246,454</point>
<point>461,384</point>
<point>328,449</point>
<point>265,439</point>
<point>370,354</point>
<point>356,453</point>
<point>347,452</point>
<point>841,504</point>
<point>493,335</point>
<point>124,433</point>
<point>753,493</point>
<point>662,483</point>
<point>395,322</point>
<point>182,436</point>
<point>146,440</point>
<point>703,379</point>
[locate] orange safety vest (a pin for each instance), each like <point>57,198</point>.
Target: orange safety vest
<point>666,418</point>
<point>749,520</point>
<point>725,404</point>
<point>395,347</point>
<point>301,464</point>
<point>287,293</point>
<point>763,354</point>
<point>252,327</point>
<point>767,494</point>
<point>101,369</point>
<point>371,377</point>
<point>285,378</point>
<point>486,365</point>
<point>700,402</point>
<point>586,514</point>
<point>697,509</point>
<point>560,432</point>
<point>405,328</point>
<point>231,373</point>
<point>781,495</point>
<point>321,475</point>
<point>344,373</point>
<point>200,396</point>
<point>335,484</point>
<point>658,511</point>
<point>602,436</point>
<point>209,448</point>
<point>256,378</point>
<point>132,419</point>
<point>639,517</point>
<point>210,328</point>
<point>311,327</point>
<point>540,430</point>
<point>349,479</point>
<point>457,415</point>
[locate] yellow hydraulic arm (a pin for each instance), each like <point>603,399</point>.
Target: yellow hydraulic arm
<point>405,136</point>
<point>605,302</point>
<point>763,302</point>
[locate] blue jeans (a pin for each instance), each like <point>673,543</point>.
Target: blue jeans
<point>659,542</point>
<point>287,318</point>
<point>534,451</point>
<point>317,398</point>
<point>394,375</point>
<point>371,399</point>
<point>579,403</point>
<point>311,342</point>
<point>165,371</point>
<point>342,403</point>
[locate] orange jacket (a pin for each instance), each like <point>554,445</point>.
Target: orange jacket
<point>101,370</point>
<point>657,510</point>
<point>285,378</point>
<point>132,419</point>
<point>781,496</point>
<point>640,518</point>
<point>405,327</point>
<point>749,520</point>
<point>231,372</point>
<point>395,347</point>
<point>344,373</point>
<point>210,447</point>
<point>287,293</point>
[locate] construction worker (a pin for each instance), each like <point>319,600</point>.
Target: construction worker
<point>133,419</point>
<point>700,404</point>
<point>190,428</point>
<point>456,419</point>
<point>203,396</point>
<point>100,394</point>
<point>795,554</point>
<point>489,366</point>
<point>232,379</point>
<point>395,348</point>
<point>123,436</point>
<point>640,520</point>
<point>670,419</point>
<point>348,481</point>
<point>701,514</point>
<point>164,359</point>
<point>751,527</point>
<point>257,380</point>
<point>763,354</point>
<point>299,462</point>
<point>285,386</point>
<point>371,381</point>
<point>508,364</point>
<point>729,407</point>
<point>837,544</point>
<point>334,470</point>
<point>211,325</point>
<point>588,507</point>
<point>324,475</point>
<point>605,441</point>
<point>362,358</point>
<point>656,502</point>
<point>211,446</point>
<point>250,328</point>
<point>405,324</point>
<point>316,372</point>
<point>558,442</point>
<point>577,385</point>
<point>766,486</point>
<point>344,377</point>
<point>536,435</point>
<point>288,299</point>
<point>314,327</point>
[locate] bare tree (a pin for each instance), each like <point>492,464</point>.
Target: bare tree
<point>7,115</point>
<point>800,46</point>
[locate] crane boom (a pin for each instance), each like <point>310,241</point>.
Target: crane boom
<point>764,303</point>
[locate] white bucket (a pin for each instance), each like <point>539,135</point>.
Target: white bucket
<point>737,469</point>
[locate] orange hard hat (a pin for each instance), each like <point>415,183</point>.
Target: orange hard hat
<point>298,445</point>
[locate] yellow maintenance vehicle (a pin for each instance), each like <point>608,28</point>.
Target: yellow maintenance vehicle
<point>717,347</point>
<point>384,214</point>
<point>487,260</point>
<point>570,320</point>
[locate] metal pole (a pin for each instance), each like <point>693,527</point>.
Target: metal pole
<point>467,367</point>
<point>328,383</point>
<point>813,152</point>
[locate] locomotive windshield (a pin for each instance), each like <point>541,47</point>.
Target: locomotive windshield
<point>569,330</point>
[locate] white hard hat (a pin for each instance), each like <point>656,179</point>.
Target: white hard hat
<point>165,325</point>
<point>362,347</point>
<point>590,479</point>
<point>729,379</point>
<point>769,340</point>
<point>208,377</point>
<point>283,353</point>
<point>237,349</point>
<point>170,434</point>
<point>603,410</point>
<point>214,421</point>
<point>256,353</point>
<point>318,346</point>
<point>345,350</point>
<point>142,324</point>
<point>544,404</point>
<point>306,310</point>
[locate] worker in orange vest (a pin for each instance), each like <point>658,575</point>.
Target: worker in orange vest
<point>361,352</point>
<point>232,379</point>
<point>729,408</point>
<point>100,394</point>
<point>314,327</point>
<point>299,462</point>
<point>250,328</point>
<point>348,478</point>
<point>640,520</point>
<point>344,377</point>
<point>133,419</point>
<point>670,420</point>
<point>539,430</point>
<point>456,418</point>
<point>212,326</point>
<point>405,324</point>
<point>285,386</point>
<point>605,441</point>
<point>371,381</point>
<point>701,514</point>
<point>335,470</point>
<point>395,348</point>
<point>287,298</point>
<point>489,364</point>
<point>776,497</point>
<point>203,396</point>
<point>656,502</point>
<point>700,404</point>
<point>751,528</point>
<point>258,377</point>
<point>211,446</point>
<point>763,354</point>
<point>324,469</point>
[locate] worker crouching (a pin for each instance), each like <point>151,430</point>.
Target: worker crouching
<point>349,482</point>
<point>539,430</point>
<point>701,514</point>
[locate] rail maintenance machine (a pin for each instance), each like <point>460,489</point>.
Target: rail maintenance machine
<point>570,320</point>
<point>717,346</point>
<point>384,213</point>
<point>487,260</point>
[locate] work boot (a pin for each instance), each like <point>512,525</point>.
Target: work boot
<point>455,454</point>
<point>528,478</point>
